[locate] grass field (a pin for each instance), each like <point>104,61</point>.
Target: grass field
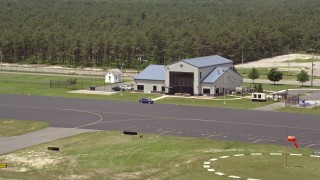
<point>9,127</point>
<point>314,110</point>
<point>112,155</point>
<point>39,85</point>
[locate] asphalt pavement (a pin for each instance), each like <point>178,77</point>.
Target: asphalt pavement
<point>252,126</point>
<point>14,143</point>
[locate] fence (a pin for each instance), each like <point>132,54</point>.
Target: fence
<point>292,100</point>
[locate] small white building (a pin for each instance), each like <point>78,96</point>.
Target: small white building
<point>113,76</point>
<point>256,96</point>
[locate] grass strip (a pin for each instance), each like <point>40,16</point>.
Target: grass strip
<point>112,155</point>
<point>9,127</point>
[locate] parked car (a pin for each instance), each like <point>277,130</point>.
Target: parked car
<point>116,88</point>
<point>126,87</point>
<point>146,100</point>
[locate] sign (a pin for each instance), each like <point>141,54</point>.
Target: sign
<point>2,165</point>
<point>316,152</point>
<point>53,148</point>
<point>130,133</point>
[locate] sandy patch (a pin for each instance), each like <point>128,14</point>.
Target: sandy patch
<point>133,175</point>
<point>284,63</point>
<point>6,122</point>
<point>31,160</point>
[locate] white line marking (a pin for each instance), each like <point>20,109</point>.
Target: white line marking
<point>234,177</point>
<point>215,135</point>
<point>256,154</point>
<point>309,145</point>
<point>252,179</point>
<point>314,156</point>
<point>219,173</point>
<point>275,154</point>
<point>224,157</point>
<point>165,132</point>
<point>237,155</point>
<point>295,154</point>
<point>170,118</point>
<point>257,141</point>
<point>206,166</point>
<point>213,159</point>
<point>210,170</point>
<point>206,162</point>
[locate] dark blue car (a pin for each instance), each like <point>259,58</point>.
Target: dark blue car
<point>146,100</point>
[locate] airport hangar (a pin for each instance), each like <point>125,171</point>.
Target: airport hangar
<point>208,75</point>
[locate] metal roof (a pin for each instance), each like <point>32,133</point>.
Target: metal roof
<point>215,74</point>
<point>152,72</point>
<point>115,71</point>
<point>207,61</point>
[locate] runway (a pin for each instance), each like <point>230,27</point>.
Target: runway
<point>202,122</point>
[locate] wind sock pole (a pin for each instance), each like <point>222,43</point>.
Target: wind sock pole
<point>286,152</point>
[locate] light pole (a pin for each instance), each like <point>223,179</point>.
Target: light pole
<point>312,69</point>
<point>139,61</point>
<point>1,58</point>
<point>121,64</point>
<point>224,86</point>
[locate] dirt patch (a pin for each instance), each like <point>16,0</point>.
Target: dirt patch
<point>31,160</point>
<point>283,63</point>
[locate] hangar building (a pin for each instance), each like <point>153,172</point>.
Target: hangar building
<point>209,75</point>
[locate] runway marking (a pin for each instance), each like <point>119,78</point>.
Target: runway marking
<point>213,135</point>
<point>165,132</point>
<point>162,117</point>
<point>257,141</point>
<point>309,145</point>
<point>75,110</point>
<point>216,121</point>
<point>206,163</point>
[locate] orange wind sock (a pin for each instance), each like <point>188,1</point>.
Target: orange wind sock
<point>294,140</point>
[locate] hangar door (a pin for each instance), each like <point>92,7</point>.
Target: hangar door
<point>181,82</point>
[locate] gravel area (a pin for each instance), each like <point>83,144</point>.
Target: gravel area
<point>283,63</point>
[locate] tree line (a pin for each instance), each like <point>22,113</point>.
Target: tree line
<point>108,33</point>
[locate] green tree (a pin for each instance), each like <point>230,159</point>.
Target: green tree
<point>303,77</point>
<point>259,88</point>
<point>253,74</point>
<point>274,75</point>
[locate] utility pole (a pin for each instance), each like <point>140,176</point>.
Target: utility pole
<point>242,58</point>
<point>312,69</point>
<point>1,58</point>
<point>224,86</point>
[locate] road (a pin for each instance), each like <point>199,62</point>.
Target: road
<point>203,122</point>
<point>316,82</point>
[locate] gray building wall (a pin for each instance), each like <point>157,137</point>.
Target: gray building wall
<point>231,79</point>
<point>148,85</point>
<point>176,67</point>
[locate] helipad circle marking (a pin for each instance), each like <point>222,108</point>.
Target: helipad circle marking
<point>206,164</point>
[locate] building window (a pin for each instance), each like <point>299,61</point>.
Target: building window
<point>206,91</point>
<point>200,75</point>
<point>154,88</point>
<point>254,96</point>
<point>217,90</point>
<point>163,88</point>
<point>259,96</point>
<point>181,65</point>
<point>140,87</point>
